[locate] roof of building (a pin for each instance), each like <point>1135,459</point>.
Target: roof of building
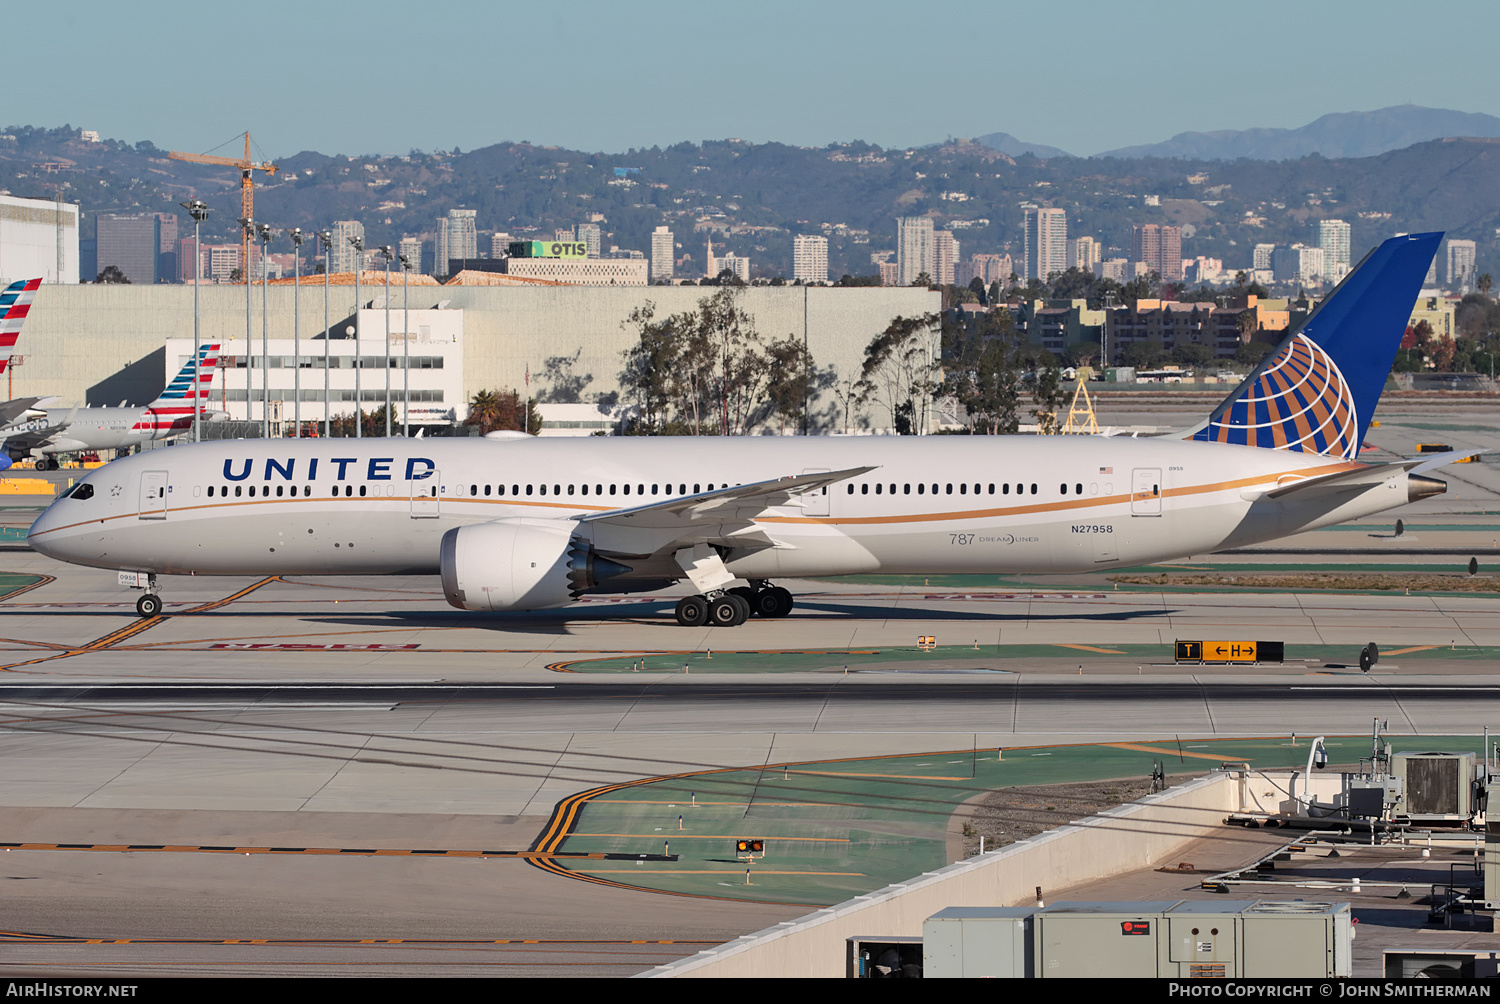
<point>369,277</point>
<point>471,277</point>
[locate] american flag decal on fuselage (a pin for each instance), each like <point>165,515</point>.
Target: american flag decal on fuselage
<point>1299,401</point>
<point>172,411</point>
<point>15,302</point>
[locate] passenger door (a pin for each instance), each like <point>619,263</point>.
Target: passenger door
<point>425,500</point>
<point>153,495</point>
<point>815,502</point>
<point>1145,491</point>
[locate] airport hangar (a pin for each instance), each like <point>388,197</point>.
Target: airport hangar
<point>99,344</point>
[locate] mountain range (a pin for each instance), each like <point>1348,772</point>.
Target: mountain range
<point>1339,135</point>
<point>753,198</point>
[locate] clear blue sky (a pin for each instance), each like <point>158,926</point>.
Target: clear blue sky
<point>383,77</point>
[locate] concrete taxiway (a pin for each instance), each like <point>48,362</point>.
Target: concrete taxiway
<point>234,765</point>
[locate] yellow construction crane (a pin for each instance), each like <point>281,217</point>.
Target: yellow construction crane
<point>247,189</point>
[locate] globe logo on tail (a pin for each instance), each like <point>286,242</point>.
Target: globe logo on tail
<point>1298,401</point>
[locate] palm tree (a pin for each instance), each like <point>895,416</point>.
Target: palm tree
<point>485,411</point>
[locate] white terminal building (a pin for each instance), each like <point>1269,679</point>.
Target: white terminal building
<point>38,237</point>
<point>433,350</point>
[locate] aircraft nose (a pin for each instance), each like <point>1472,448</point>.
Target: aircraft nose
<point>40,536</point>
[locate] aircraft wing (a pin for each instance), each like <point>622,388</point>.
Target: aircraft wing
<point>12,410</point>
<point>31,439</point>
<point>737,504</point>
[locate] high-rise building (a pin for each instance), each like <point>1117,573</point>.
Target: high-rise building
<point>987,268</point>
<point>1046,242</point>
<point>1298,263</point>
<point>1461,257</point>
<point>457,240</point>
<point>343,256</point>
<point>944,256</point>
<point>735,264</point>
<point>1159,248</point>
<point>915,254</point>
<point>131,242</point>
<point>663,253</point>
<point>189,260</point>
<point>500,244</point>
<point>221,261</point>
<point>809,259</point>
<point>411,249</point>
<point>166,247</point>
<point>592,237</point>
<point>1083,253</point>
<point>1333,239</point>
<point>1260,258</point>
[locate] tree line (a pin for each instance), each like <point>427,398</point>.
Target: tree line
<point>709,371</point>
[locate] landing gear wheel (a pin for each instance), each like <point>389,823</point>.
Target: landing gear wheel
<point>149,605</point>
<point>692,611</point>
<point>728,610</point>
<point>745,593</point>
<point>44,464</point>
<point>773,602</point>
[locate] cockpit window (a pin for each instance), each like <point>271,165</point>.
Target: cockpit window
<point>81,493</point>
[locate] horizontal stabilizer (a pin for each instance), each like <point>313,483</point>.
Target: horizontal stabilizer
<point>1433,460</point>
<point>1372,474</point>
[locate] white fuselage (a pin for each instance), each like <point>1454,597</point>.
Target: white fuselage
<point>931,504</point>
<point>102,428</point>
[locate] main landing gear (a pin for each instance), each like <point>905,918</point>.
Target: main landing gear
<point>732,607</point>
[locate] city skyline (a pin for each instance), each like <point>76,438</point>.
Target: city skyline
<point>1368,68</point>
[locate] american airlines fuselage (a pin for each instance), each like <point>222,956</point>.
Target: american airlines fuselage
<point>926,505</point>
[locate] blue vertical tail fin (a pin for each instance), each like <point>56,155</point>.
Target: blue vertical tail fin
<point>1316,391</point>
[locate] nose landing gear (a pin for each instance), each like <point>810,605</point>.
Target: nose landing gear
<point>149,605</point>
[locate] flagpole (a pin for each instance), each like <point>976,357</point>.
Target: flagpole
<point>526,405</point>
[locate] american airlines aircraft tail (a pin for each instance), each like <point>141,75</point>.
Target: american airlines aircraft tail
<point>519,523</point>
<point>80,429</point>
<point>172,411</point>
<point>15,303</point>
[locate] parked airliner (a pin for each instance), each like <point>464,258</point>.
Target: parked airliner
<point>62,431</point>
<point>512,522</point>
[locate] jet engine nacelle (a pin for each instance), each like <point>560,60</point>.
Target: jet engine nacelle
<point>519,564</point>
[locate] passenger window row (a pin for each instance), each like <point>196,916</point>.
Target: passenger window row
<point>518,491</point>
<point>265,491</point>
<point>947,489</point>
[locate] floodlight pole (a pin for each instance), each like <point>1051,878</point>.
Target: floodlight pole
<point>385,249</point>
<point>198,210</point>
<point>296,235</point>
<point>406,348</point>
<point>325,238</point>
<point>359,262</point>
<point>264,230</point>
<point>247,224</point>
